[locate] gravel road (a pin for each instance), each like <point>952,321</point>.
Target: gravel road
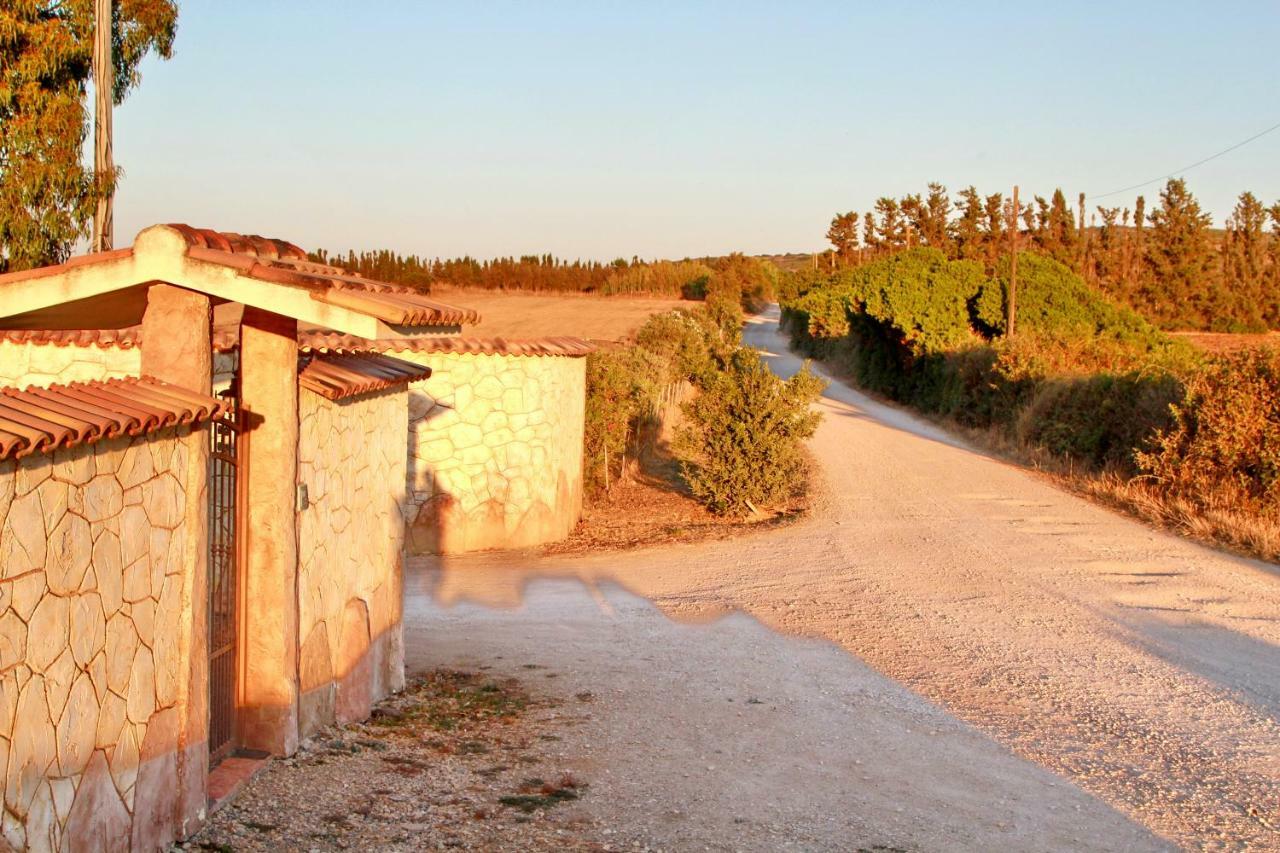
<point>949,654</point>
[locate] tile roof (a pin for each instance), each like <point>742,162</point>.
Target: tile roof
<point>339,376</point>
<point>41,420</point>
<point>183,256</point>
<point>240,244</point>
<point>103,338</point>
<point>554,346</point>
<point>281,262</point>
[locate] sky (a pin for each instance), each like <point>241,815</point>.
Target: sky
<point>600,129</point>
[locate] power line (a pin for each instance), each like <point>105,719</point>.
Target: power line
<point>1192,166</point>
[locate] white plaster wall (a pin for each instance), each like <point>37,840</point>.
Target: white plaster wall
<point>495,450</point>
<point>26,364</point>
<point>94,594</point>
<point>351,457</point>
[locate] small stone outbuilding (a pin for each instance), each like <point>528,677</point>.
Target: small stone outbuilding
<point>214,454</point>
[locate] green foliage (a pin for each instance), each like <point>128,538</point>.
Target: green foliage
<point>752,280</point>
<point>47,194</point>
<point>680,340</point>
<point>623,386</point>
<point>742,443</point>
<point>1179,258</point>
<point>766,417</point>
<point>1224,446</point>
<point>1102,420</point>
<point>685,278</point>
<point>1167,263</point>
<point>1084,377</point>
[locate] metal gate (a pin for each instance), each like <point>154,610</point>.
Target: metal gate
<point>224,564</point>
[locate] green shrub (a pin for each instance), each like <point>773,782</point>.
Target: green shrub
<point>1058,308</point>
<point>682,341</point>
<point>1101,420</point>
<point>623,386</point>
<point>1224,446</point>
<point>741,446</point>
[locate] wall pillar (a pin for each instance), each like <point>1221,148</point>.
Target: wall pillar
<point>177,331</point>
<point>268,715</point>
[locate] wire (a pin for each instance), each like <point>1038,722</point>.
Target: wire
<point>1192,166</point>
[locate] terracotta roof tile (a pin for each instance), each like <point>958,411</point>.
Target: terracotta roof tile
<point>281,262</point>
<point>41,420</point>
<point>554,346</point>
<point>240,244</point>
<point>103,338</point>
<point>337,376</point>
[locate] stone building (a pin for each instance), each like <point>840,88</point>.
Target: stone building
<point>213,456</point>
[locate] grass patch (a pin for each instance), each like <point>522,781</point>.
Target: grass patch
<point>536,793</point>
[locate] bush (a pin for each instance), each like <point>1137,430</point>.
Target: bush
<point>1100,420</point>
<point>623,387</point>
<point>1223,450</point>
<point>742,443</point>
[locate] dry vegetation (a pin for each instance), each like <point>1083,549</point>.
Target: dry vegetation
<point>456,761</point>
<point>1225,342</point>
<point>517,314</point>
<point>1232,525</point>
<point>652,505</point>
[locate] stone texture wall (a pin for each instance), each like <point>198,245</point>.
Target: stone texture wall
<point>495,451</point>
<point>24,364</point>
<point>97,750</point>
<point>351,458</point>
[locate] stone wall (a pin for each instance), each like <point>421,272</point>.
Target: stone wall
<point>97,748</point>
<point>351,458</point>
<point>23,364</point>
<point>495,450</point>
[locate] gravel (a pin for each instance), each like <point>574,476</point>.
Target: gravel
<point>456,761</point>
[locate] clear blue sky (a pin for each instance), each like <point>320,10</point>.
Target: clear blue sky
<point>601,129</point>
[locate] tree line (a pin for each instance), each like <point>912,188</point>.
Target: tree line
<point>528,272</point>
<point>1167,261</point>
<point>688,278</point>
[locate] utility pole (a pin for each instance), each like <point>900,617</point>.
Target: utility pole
<point>1013,266</point>
<point>103,86</point>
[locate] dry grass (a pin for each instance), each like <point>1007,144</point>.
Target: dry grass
<point>1222,342</point>
<point>1237,529</point>
<point>517,314</point>
<point>1245,532</point>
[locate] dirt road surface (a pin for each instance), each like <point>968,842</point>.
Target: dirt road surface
<point>949,654</point>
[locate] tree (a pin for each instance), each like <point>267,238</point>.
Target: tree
<point>1057,235</point>
<point>1244,258</point>
<point>1271,309</point>
<point>47,195</point>
<point>993,227</point>
<point>930,217</point>
<point>967,230</point>
<point>1179,258</point>
<point>742,444</point>
<point>843,235</point>
<point>1108,261</point>
<point>891,230</point>
<point>869,237</point>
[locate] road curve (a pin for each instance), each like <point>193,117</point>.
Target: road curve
<point>1124,662</point>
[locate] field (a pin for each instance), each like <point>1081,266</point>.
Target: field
<point>1220,342</point>
<point>512,314</point>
